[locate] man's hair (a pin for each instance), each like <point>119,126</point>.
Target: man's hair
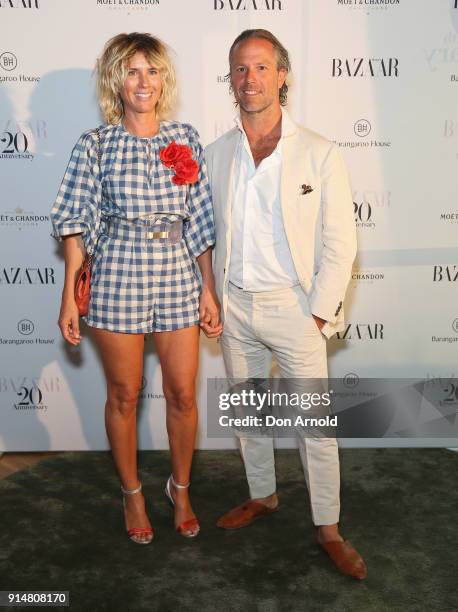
<point>283,62</point>
<point>112,71</point>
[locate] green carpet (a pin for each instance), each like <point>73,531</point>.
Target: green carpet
<point>61,529</point>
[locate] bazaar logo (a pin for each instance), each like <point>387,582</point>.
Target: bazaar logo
<point>19,4</point>
<point>361,331</point>
<point>30,392</point>
<point>365,67</point>
<point>445,273</point>
<point>27,276</point>
<point>37,128</point>
<point>16,385</point>
<point>244,5</point>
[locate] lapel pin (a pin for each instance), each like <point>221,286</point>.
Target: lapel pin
<point>306,189</point>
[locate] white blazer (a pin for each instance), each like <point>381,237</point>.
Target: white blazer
<point>319,226</point>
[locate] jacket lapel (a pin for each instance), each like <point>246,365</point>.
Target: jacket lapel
<point>225,171</point>
<point>292,176</point>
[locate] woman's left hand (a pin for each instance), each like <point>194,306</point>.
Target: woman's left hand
<point>209,309</point>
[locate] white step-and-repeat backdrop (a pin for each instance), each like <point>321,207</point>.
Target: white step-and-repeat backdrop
<point>378,77</point>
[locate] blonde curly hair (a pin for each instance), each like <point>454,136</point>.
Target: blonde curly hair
<point>111,72</point>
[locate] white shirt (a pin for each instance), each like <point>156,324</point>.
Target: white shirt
<point>260,255</point>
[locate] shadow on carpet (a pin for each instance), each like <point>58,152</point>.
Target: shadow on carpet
<point>62,529</point>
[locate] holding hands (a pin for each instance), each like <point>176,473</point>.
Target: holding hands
<point>209,313</point>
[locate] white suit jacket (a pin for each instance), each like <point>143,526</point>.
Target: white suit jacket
<point>319,226</point>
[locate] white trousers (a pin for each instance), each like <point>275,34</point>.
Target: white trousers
<point>257,325</point>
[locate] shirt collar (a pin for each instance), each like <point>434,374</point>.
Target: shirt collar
<point>287,124</point>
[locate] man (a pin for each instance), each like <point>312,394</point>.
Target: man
<point>285,244</point>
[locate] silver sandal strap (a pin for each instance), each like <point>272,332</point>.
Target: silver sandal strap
<point>178,486</point>
<point>131,491</point>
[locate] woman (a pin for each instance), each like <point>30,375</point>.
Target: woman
<point>135,194</point>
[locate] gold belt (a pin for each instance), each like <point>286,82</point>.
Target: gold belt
<point>153,235</point>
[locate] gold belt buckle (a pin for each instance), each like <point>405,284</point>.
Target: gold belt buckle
<point>154,235</point>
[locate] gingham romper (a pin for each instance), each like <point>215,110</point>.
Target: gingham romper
<point>139,284</point>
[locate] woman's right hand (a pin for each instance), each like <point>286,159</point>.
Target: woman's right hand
<point>69,322</point>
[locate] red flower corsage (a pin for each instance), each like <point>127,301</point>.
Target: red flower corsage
<point>179,158</point>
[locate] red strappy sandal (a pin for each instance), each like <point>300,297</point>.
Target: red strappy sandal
<point>191,527</point>
<point>135,533</point>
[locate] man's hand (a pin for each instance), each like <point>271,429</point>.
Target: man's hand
<point>320,323</point>
<point>209,309</point>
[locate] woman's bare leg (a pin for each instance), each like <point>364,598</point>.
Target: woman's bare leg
<point>179,354</point>
<point>122,358</point>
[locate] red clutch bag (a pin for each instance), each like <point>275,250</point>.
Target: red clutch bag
<point>83,286</point>
<point>83,280</point>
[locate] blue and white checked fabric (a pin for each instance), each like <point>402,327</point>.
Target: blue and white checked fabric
<point>138,285</point>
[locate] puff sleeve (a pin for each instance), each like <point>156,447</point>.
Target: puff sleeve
<point>199,229</point>
<point>76,209</point>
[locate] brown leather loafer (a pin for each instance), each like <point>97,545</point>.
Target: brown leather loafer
<point>346,558</point>
<point>244,515</point>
